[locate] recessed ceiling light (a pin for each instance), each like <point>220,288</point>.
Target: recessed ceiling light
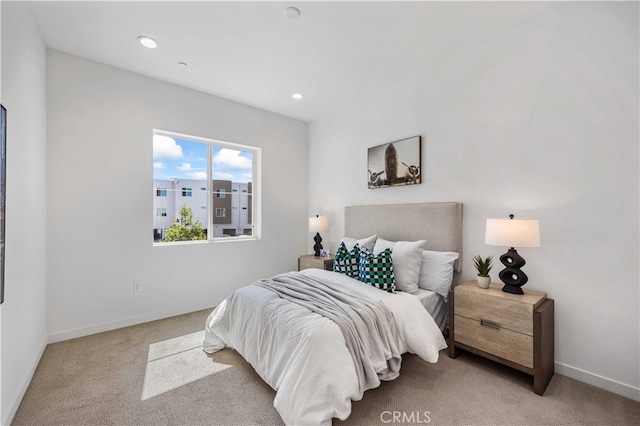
<point>148,42</point>
<point>292,13</point>
<point>297,96</point>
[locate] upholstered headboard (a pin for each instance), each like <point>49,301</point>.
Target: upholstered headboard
<point>440,224</point>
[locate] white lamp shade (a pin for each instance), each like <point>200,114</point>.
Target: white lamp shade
<point>513,232</point>
<point>318,224</point>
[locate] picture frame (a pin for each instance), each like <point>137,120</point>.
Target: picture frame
<point>396,163</point>
<point>3,192</point>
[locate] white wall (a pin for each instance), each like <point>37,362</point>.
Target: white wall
<point>24,311</point>
<point>100,122</point>
<point>524,108</point>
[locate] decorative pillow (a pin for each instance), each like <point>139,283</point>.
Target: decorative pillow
<point>436,272</point>
<point>347,262</point>
<point>377,270</point>
<point>368,242</point>
<point>407,258</point>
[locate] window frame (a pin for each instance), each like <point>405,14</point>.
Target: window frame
<point>256,193</point>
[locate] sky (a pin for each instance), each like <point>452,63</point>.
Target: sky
<point>175,158</point>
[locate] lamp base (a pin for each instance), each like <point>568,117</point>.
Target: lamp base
<point>513,289</point>
<point>512,276</point>
<point>317,246</point>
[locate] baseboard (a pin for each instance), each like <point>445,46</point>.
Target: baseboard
<point>13,408</point>
<point>601,382</point>
<point>81,332</point>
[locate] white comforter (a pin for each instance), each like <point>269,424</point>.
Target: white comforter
<point>302,355</point>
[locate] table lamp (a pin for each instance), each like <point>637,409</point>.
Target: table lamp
<point>317,224</point>
<point>513,233</point>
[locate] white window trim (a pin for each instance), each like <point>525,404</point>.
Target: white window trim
<point>256,196</point>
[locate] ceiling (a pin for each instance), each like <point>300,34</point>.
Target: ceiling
<point>251,53</point>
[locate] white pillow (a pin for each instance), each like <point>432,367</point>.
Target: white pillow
<point>436,272</point>
<point>368,242</point>
<point>407,258</point>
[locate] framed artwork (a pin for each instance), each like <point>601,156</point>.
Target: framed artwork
<point>3,191</point>
<point>395,163</point>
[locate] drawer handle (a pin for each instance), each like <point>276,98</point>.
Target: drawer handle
<point>490,324</point>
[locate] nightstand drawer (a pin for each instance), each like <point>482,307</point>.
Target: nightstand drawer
<point>513,312</point>
<point>489,336</point>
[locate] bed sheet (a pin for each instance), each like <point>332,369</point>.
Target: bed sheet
<point>435,305</point>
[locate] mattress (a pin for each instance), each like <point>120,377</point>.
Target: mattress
<point>435,305</point>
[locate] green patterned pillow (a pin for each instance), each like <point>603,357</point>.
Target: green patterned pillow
<point>346,262</point>
<point>377,270</point>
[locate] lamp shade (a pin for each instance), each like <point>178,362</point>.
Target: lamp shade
<point>318,224</point>
<point>513,232</point>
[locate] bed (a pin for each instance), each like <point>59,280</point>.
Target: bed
<point>307,351</point>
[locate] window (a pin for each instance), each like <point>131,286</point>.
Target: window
<point>226,207</point>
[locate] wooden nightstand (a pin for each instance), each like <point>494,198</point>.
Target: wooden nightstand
<point>318,262</point>
<point>515,330</point>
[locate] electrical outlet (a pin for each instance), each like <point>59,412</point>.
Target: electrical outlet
<point>137,285</point>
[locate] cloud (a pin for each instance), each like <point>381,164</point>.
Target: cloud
<point>192,173</point>
<point>158,165</point>
<point>166,147</point>
<point>185,167</point>
<point>231,159</point>
<point>223,176</point>
<point>197,175</point>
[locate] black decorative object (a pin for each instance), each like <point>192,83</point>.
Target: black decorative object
<point>511,233</point>
<point>512,276</point>
<point>317,224</point>
<point>317,246</point>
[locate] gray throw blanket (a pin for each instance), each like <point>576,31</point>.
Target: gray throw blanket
<point>368,326</point>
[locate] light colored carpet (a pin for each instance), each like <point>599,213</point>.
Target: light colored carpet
<point>156,374</point>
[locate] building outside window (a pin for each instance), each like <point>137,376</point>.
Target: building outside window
<point>229,210</point>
